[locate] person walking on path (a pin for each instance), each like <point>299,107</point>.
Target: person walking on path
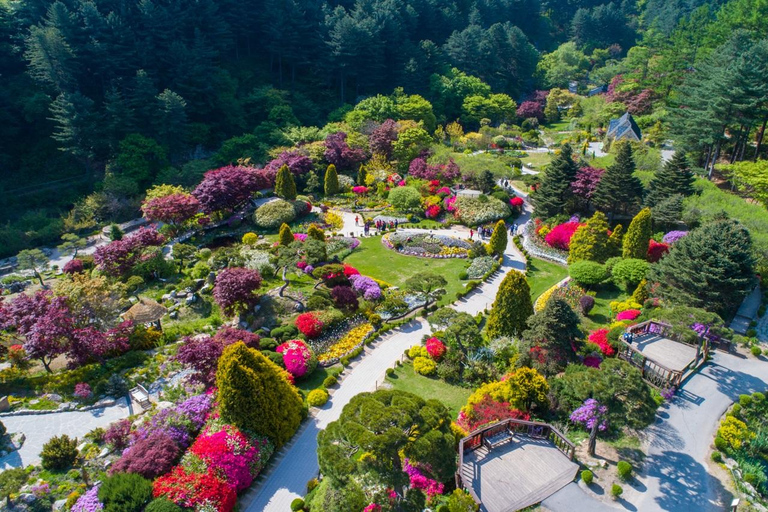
<point>355,220</point>
<point>471,234</point>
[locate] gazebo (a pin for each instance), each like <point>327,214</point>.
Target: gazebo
<point>146,311</point>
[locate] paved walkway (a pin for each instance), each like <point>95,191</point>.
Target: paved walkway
<point>38,429</point>
<point>297,463</point>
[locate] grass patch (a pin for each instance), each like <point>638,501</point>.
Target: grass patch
<point>375,260</point>
<point>600,316</point>
<point>405,379</point>
<point>315,380</point>
<point>537,160</point>
<point>542,275</point>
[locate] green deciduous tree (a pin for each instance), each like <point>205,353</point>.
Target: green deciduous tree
<point>512,307</point>
<point>674,178</point>
<point>331,181</point>
<point>619,190</point>
<point>254,394</point>
<point>498,243</point>
<point>554,192</point>
<point>591,242</point>
<point>285,186</point>
<point>638,236</point>
<point>461,331</point>
<point>710,268</point>
<point>285,235</point>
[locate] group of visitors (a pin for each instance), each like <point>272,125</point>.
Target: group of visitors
<point>379,225</point>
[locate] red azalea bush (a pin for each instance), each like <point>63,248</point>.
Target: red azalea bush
<point>600,338</point>
<point>117,434</point>
<point>17,355</point>
<point>517,203</point>
<point>298,358</point>
<point>149,457</point>
<point>193,490</point>
<point>309,325</point>
<point>656,250</point>
<point>629,314</point>
<point>560,236</point>
<point>487,411</point>
<point>349,270</point>
<point>435,348</point>
<point>432,211</point>
<point>73,266</point>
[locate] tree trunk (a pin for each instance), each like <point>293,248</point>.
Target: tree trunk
<point>760,135</point>
<point>46,365</point>
<point>39,278</point>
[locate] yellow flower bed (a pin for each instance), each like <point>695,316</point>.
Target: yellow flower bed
<point>453,251</point>
<point>347,344</point>
<point>544,298</point>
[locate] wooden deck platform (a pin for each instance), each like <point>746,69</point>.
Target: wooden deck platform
<point>517,474</point>
<point>672,354</point>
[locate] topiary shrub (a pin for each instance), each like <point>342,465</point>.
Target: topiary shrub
<point>162,505</point>
<point>616,491</point>
<point>588,273</point>
<point>390,372</point>
<point>628,273</point>
<point>717,457</point>
<point>624,469</point>
<point>317,398</point>
<point>586,303</point>
<point>756,351</point>
<point>417,351</point>
<point>312,484</point>
<point>721,444</point>
<point>125,492</point>
<point>330,380</point>
<point>59,453</point>
<point>297,504</point>
<point>587,476</point>
<point>271,215</point>
<point>758,397</point>
<point>745,400</point>
<point>424,366</point>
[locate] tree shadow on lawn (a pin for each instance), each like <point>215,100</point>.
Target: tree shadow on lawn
<point>684,483</point>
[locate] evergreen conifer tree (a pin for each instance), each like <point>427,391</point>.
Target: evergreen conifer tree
<point>285,235</point>
<point>362,174</point>
<point>615,241</point>
<point>553,193</point>
<point>313,183</point>
<point>331,181</point>
<point>641,292</point>
<point>553,335</point>
<point>254,394</point>
<point>316,233</point>
<point>590,242</point>
<point>711,268</point>
<point>285,186</point>
<point>674,178</point>
<point>619,190</point>
<point>638,236</point>
<point>511,308</point>
<point>498,242</point>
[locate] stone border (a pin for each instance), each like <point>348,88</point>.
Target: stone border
<point>101,404</point>
<point>531,247</point>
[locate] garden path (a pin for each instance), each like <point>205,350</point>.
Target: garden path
<point>297,463</point>
<point>38,429</point>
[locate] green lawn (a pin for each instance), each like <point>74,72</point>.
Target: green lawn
<point>375,260</point>
<point>544,274</point>
<point>405,379</point>
<point>316,379</point>
<point>600,316</point>
<point>537,160</point>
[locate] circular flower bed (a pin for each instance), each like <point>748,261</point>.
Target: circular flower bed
<point>426,245</point>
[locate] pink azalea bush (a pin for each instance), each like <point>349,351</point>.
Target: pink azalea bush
<point>435,348</point>
<point>298,358</point>
<point>432,211</point>
<point>560,236</point>
<point>629,314</point>
<point>600,338</point>
<point>420,481</point>
<point>360,190</point>
<point>83,391</point>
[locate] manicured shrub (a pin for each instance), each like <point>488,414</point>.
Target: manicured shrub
<point>162,505</point>
<point>435,348</point>
<point>721,444</point>
<point>149,457</point>
<point>249,238</point>
<point>511,308</point>
<point>317,397</point>
<point>756,351</point>
<point>117,434</point>
<point>125,492</point>
<point>628,314</point>
<point>330,380</point>
<point>474,211</point>
<point>745,400</point>
<point>390,372</point>
<point>588,273</point>
<point>616,491</point>
<point>59,453</point>
<point>312,484</point>
<point>274,213</point>
<point>73,266</point>
<point>628,273</point>
<point>309,325</point>
<point>586,303</point>
<point>417,351</point>
<point>297,505</point>
<point>590,242</point>
<point>404,198</point>
<point>587,476</point>
<point>298,358</point>
<point>624,469</point>
<point>717,457</point>
<point>424,366</point>
<point>638,236</point>
<point>560,236</point>
<point>498,243</point>
<point>285,186</point>
<point>345,298</point>
<point>285,235</point>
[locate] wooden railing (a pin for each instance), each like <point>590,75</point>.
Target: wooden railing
<point>655,374</point>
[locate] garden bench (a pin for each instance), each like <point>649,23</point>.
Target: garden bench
<point>495,440</point>
<point>140,395</point>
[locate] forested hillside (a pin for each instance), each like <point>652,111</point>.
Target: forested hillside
<point>100,99</point>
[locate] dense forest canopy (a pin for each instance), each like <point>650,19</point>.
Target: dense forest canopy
<point>110,97</point>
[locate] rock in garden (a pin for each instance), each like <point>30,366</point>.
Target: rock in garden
<point>174,315</point>
<point>174,293</point>
<point>53,397</point>
<point>59,504</point>
<point>190,300</point>
<point>199,283</point>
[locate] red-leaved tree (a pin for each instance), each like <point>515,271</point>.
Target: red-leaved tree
<point>381,138</point>
<point>120,256</point>
<point>528,109</point>
<point>340,154</point>
<point>172,209</point>
<point>202,352</point>
<point>226,188</point>
<point>297,163</point>
<point>235,289</point>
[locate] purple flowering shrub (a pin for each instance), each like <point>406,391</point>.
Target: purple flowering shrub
<point>88,502</point>
<point>365,286</point>
<point>117,434</point>
<point>673,236</point>
<point>83,391</point>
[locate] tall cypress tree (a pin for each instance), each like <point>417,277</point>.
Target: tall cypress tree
<point>674,178</point>
<point>590,242</point>
<point>638,236</point>
<point>511,308</point>
<point>554,191</point>
<point>331,181</point>
<point>710,268</point>
<point>498,243</point>
<point>285,186</point>
<point>362,174</point>
<point>285,235</point>
<point>254,394</point>
<point>619,189</point>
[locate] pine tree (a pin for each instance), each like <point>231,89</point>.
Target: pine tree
<point>638,236</point>
<point>590,242</point>
<point>285,235</point>
<point>615,241</point>
<point>711,268</point>
<point>285,186</point>
<point>254,394</point>
<point>553,193</point>
<point>619,189</point>
<point>640,295</point>
<point>554,336</point>
<point>331,181</point>
<point>498,242</point>
<point>674,178</point>
<point>313,183</point>
<point>511,308</point>
<point>362,174</point>
<point>316,233</point>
